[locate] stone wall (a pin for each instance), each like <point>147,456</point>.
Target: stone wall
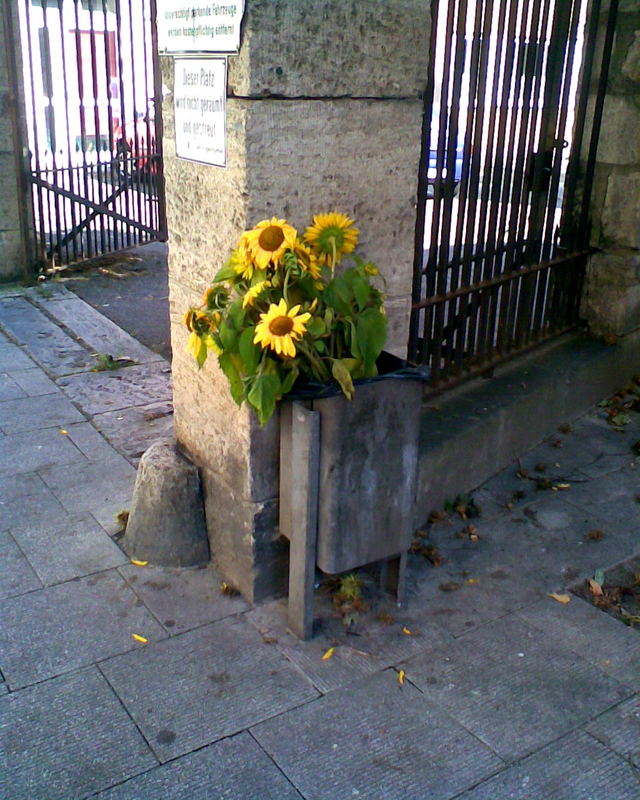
<point>611,298</point>
<point>324,112</point>
<point>14,237</point>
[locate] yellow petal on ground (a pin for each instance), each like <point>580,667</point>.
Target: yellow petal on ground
<point>328,654</point>
<point>401,677</point>
<point>64,432</point>
<point>407,632</point>
<point>560,598</point>
<point>137,563</point>
<point>472,581</point>
<point>139,638</point>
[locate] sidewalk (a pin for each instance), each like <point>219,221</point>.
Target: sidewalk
<point>506,693</point>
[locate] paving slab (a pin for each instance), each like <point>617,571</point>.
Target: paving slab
<point>16,576</point>
<point>94,328</point>
<point>228,770</point>
<point>60,628</point>
<point>97,392</point>
<point>358,652</point>
<point>94,446</point>
<point>68,549</point>
<point>31,450</point>
<point>182,599</point>
<point>32,413</point>
<point>29,508</point>
<point>43,340</point>
<point>103,490</point>
<point>9,389</point>
<point>594,635</point>
<point>67,738</point>
<point>619,729</point>
<point>12,357</point>
<point>575,768</point>
<point>513,689</point>
<point>34,382</point>
<point>204,685</point>
<point>133,430</point>
<point>376,739</point>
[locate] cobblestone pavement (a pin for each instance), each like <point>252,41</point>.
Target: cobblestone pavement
<point>492,690</point>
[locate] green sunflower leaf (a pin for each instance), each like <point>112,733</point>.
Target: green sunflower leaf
<point>371,329</point>
<point>316,326</point>
<point>228,337</point>
<point>262,395</point>
<point>226,273</point>
<point>289,380</point>
<point>228,366</point>
<point>341,373</point>
<point>249,351</point>
<point>236,314</point>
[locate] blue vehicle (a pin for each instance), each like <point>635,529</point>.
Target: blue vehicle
<point>433,175</point>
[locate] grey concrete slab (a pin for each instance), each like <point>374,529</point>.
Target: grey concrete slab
<point>204,685</point>
<point>575,768</point>
<point>100,489</point>
<point>60,628</point>
<point>9,389</point>
<point>97,392</point>
<point>19,485</point>
<point>34,382</point>
<point>591,447</point>
<point>68,549</point>
<point>597,637</point>
<point>182,599</point>
<point>43,340</point>
<point>511,688</point>
<point>94,446</point>
<point>98,332</point>
<point>32,450</point>
<point>228,770</point>
<point>619,729</point>
<point>612,498</point>
<point>377,740</point>
<point>370,647</point>
<point>134,430</point>
<point>31,509</point>
<point>68,737</point>
<point>16,575</point>
<point>12,357</point>
<point>32,413</point>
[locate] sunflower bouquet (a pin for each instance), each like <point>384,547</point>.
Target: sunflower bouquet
<point>281,313</point>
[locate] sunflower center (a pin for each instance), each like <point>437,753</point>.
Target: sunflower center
<point>281,326</point>
<point>271,238</point>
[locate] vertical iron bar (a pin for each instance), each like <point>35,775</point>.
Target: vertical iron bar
<point>83,126</point>
<point>136,138</point>
<point>96,123</point>
<point>71,187</point>
<point>124,146</point>
<point>158,125</point>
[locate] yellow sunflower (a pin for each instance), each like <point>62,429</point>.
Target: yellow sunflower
<point>268,241</point>
<point>331,236</point>
<point>279,327</point>
<point>307,259</point>
<point>254,292</point>
<point>240,260</point>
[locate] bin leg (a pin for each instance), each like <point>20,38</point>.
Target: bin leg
<point>393,573</point>
<point>303,510</point>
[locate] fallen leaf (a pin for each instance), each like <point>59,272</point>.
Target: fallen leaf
<point>407,632</point>
<point>451,586</point>
<point>472,581</point>
<point>139,638</point>
<point>560,598</point>
<point>228,589</point>
<point>565,428</point>
<point>64,432</point>
<point>328,654</point>
<point>137,563</point>
<point>401,677</point>
<point>563,485</point>
<point>385,618</point>
<point>594,536</point>
<point>595,588</point>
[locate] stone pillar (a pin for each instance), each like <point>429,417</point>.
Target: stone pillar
<point>611,298</point>
<point>324,113</point>
<point>15,230</point>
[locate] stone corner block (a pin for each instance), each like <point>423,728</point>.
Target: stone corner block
<point>611,295</point>
<point>166,523</point>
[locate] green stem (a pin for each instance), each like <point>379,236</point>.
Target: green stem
<point>317,365</point>
<point>335,254</point>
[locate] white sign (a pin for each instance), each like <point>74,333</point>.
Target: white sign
<point>199,95</point>
<point>199,26</point>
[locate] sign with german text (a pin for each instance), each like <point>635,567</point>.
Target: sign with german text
<point>199,95</point>
<point>199,26</point>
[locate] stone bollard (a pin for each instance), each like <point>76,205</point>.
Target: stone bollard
<point>166,524</point>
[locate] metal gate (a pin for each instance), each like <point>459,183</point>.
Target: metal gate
<point>508,160</point>
<point>93,106</point>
